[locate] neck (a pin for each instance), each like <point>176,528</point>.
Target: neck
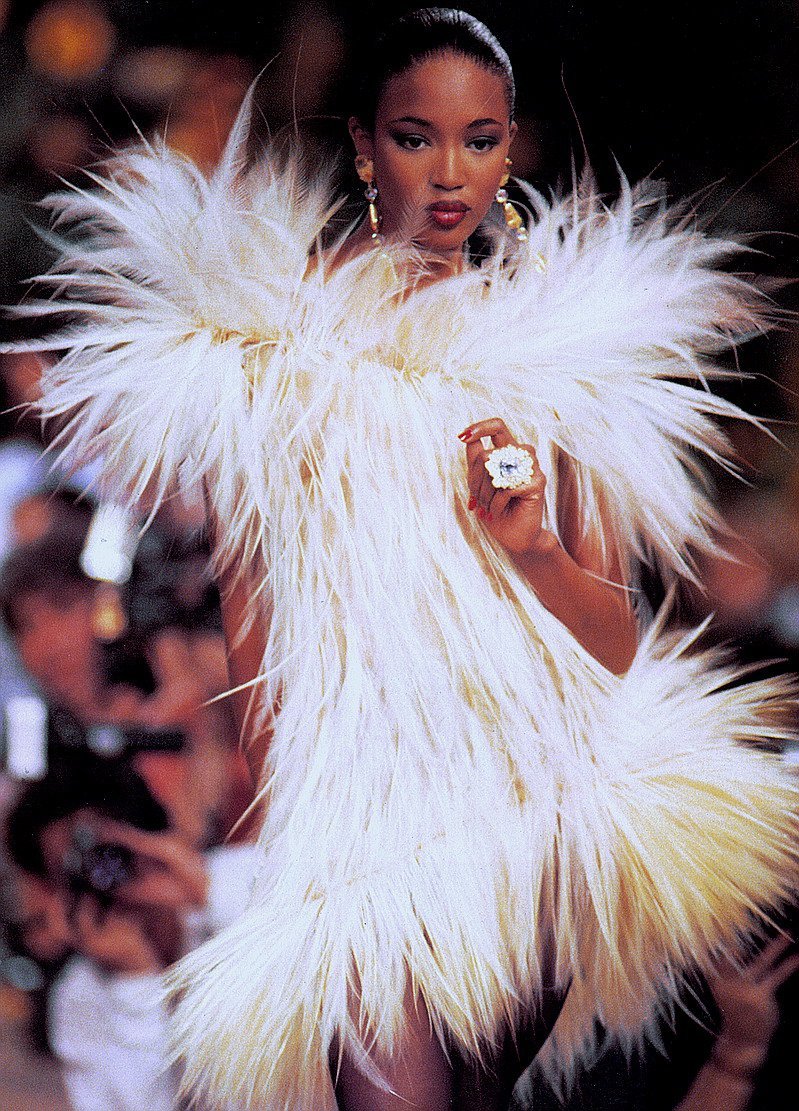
<point>434,265</point>
<point>443,264</point>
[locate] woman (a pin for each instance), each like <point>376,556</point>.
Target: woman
<point>478,794</point>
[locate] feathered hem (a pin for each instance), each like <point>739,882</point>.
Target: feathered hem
<point>671,842</point>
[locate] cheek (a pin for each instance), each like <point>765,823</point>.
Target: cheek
<point>400,179</point>
<point>487,177</point>
<point>397,193</point>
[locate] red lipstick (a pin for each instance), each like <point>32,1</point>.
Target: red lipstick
<point>447,214</point>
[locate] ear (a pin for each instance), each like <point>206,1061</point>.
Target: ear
<point>362,139</point>
<point>514,127</point>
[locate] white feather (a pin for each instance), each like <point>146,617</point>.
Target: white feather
<point>449,766</point>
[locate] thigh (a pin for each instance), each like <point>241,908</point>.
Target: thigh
<point>416,1078</point>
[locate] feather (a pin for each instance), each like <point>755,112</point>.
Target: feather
<point>450,770</point>
<point>176,289</point>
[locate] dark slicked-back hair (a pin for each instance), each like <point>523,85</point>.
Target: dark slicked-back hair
<point>49,566</point>
<point>422,34</point>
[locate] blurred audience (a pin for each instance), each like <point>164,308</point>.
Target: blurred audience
<point>109,891</point>
<point>150,681</point>
<point>713,1056</point>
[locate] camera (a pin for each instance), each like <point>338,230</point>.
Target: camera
<point>33,733</point>
<point>96,867</point>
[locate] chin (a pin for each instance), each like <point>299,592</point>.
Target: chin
<point>443,242</point>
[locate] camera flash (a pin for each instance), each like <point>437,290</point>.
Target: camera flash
<point>26,737</point>
<point>110,545</point>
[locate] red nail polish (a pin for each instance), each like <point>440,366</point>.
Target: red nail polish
<point>489,517</point>
<point>481,513</point>
<point>465,434</point>
<point>472,502</point>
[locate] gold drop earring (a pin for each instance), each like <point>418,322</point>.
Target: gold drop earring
<point>366,172</point>
<point>513,219</point>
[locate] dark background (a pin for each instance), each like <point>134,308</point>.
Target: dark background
<point>703,95</point>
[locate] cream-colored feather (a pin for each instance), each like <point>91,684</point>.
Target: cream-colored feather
<point>450,768</point>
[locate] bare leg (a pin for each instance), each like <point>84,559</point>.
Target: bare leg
<point>420,1076</point>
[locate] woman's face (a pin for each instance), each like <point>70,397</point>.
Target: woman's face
<point>441,136</point>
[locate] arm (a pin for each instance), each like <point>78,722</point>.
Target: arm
<point>245,640</point>
<point>245,659</point>
<point>577,583</point>
<point>750,1014</point>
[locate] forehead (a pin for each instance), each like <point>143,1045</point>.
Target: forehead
<point>448,87</point>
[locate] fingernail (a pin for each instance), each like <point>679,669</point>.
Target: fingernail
<point>472,502</point>
<point>481,513</point>
<point>465,434</point>
<point>489,517</point>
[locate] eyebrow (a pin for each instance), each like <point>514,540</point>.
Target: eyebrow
<point>412,119</point>
<point>419,122</point>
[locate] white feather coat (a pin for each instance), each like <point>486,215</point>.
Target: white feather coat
<point>449,767</point>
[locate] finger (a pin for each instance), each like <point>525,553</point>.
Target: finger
<point>499,503</point>
<point>530,491</point>
<point>475,457</point>
<point>86,918</point>
<point>138,840</point>
<point>494,427</point>
<point>505,500</point>
<point>480,486</point>
<point>783,972</point>
<point>502,497</point>
<point>533,489</point>
<point>486,492</point>
<point>769,956</point>
<point>475,462</point>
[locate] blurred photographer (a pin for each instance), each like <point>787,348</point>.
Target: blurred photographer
<point>148,689</point>
<point>104,881</point>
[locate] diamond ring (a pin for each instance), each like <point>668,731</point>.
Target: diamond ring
<point>510,467</point>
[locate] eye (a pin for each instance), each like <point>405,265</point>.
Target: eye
<point>483,143</point>
<point>408,140</point>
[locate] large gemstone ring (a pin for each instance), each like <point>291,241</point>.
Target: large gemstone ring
<point>510,467</point>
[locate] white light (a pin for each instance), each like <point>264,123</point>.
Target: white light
<point>110,545</point>
<point>26,737</point>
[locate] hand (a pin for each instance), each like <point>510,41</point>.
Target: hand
<point>747,1001</point>
<point>513,517</point>
<point>168,873</point>
<point>180,691</point>
<point>180,695</point>
<point>113,940</point>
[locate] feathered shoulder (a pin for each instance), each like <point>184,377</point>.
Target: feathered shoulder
<point>175,288</point>
<point>188,296</point>
<point>599,337</point>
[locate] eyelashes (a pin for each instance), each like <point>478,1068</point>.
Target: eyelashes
<point>488,142</point>
<point>409,142</point>
<point>481,144</point>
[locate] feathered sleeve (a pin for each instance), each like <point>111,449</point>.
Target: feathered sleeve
<point>177,291</point>
<point>602,337</point>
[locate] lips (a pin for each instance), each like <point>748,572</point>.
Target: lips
<point>447,214</point>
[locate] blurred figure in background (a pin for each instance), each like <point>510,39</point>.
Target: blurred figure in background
<point>718,1068</point>
<point>107,888</point>
<point>153,692</point>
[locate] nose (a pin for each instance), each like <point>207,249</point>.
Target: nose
<point>447,172</point>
